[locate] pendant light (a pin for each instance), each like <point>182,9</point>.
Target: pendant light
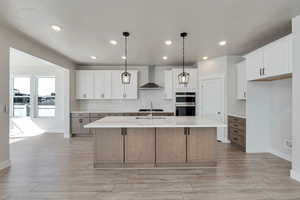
<point>183,78</point>
<point>125,76</point>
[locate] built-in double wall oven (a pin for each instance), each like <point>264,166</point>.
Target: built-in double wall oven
<point>185,103</point>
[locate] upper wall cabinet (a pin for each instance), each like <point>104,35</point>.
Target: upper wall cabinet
<point>102,84</point>
<point>105,84</point>
<point>241,80</point>
<point>191,86</point>
<point>121,91</point>
<point>270,61</point>
<point>84,84</point>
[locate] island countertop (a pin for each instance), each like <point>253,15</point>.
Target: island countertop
<point>155,122</point>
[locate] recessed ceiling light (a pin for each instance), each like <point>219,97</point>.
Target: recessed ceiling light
<point>222,43</point>
<point>113,42</point>
<point>56,28</point>
<point>205,58</point>
<point>93,57</point>
<point>165,58</point>
<point>123,57</point>
<point>168,42</point>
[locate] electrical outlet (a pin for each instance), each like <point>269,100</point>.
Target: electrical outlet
<point>288,144</point>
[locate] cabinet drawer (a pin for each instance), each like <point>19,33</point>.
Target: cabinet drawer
<point>236,131</point>
<point>237,120</point>
<point>81,115</point>
<point>237,136</point>
<point>77,125</point>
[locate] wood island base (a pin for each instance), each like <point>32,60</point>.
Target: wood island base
<point>154,147</point>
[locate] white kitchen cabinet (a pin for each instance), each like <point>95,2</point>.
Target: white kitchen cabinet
<point>255,62</point>
<point>102,84</point>
<point>117,88</point>
<point>290,41</point>
<point>191,86</point>
<point>84,84</point>
<point>131,90</point>
<point>276,58</point>
<point>121,91</point>
<point>168,87</point>
<point>241,80</point>
<point>272,60</point>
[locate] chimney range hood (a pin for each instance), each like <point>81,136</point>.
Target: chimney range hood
<point>150,85</point>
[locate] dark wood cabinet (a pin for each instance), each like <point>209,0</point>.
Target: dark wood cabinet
<point>237,131</point>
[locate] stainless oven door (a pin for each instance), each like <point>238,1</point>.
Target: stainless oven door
<point>185,110</point>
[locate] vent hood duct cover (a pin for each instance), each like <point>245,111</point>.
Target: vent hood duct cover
<point>150,85</point>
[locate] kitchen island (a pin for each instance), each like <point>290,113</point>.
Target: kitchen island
<point>151,141</point>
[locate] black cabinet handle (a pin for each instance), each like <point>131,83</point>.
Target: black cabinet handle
<point>80,120</point>
<point>260,71</point>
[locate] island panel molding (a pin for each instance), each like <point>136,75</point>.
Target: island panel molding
<point>140,146</point>
<point>170,145</point>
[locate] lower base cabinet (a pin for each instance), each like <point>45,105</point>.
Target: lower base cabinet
<point>109,147</point>
<point>199,143</point>
<point>154,147</point>
<point>140,147</point>
<point>170,145</point>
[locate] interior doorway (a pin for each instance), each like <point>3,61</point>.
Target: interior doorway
<point>39,97</point>
<point>212,102</point>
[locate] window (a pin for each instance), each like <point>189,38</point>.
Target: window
<point>21,97</point>
<point>46,97</point>
<point>34,97</point>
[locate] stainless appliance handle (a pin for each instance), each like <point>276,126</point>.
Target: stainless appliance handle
<point>185,95</point>
<point>177,106</point>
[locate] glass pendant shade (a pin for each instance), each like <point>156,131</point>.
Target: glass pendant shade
<point>125,76</point>
<point>183,78</point>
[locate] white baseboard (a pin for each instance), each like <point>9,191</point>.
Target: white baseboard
<point>4,164</point>
<point>294,175</point>
<point>281,155</point>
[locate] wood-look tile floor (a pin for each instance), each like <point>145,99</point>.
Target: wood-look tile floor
<point>50,167</point>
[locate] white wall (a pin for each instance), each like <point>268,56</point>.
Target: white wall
<point>281,117</point>
<point>48,124</point>
<point>269,112</point>
<point>10,38</point>
<point>225,66</point>
<point>295,172</point>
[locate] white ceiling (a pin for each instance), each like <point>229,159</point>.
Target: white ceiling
<point>22,59</point>
<point>89,25</point>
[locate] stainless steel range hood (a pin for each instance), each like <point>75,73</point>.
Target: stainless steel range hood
<point>150,85</point>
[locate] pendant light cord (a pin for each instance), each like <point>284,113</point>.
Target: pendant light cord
<point>125,54</point>
<point>183,53</point>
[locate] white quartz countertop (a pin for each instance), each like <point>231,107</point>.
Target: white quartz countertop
<point>155,122</point>
<point>99,111</point>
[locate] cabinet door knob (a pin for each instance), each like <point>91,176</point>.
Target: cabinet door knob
<point>80,120</point>
<point>102,95</point>
<point>84,95</point>
<point>245,94</point>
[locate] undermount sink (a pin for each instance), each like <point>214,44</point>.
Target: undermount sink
<point>149,117</point>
